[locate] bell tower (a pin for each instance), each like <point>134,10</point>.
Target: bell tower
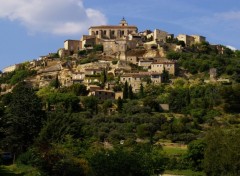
<point>123,22</point>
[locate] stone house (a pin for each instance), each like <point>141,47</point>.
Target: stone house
<point>132,59</point>
<point>93,71</point>
<point>169,66</point>
<point>159,35</point>
<point>63,53</point>
<point>145,63</point>
<point>78,77</point>
<point>107,95</point>
<point>72,46</point>
<point>93,88</point>
<point>198,38</point>
<point>88,41</point>
<point>191,39</point>
<point>136,79</point>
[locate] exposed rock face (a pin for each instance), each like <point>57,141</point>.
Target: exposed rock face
<point>162,52</point>
<point>151,53</point>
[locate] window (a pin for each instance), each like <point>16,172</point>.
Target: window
<point>96,32</point>
<point>104,32</point>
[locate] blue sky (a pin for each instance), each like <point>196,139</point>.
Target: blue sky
<point>32,28</point>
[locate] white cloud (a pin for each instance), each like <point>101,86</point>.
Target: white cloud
<point>231,47</point>
<point>61,17</point>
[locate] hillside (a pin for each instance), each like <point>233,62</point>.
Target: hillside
<point>87,113</point>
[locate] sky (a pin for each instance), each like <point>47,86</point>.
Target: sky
<point>33,28</point>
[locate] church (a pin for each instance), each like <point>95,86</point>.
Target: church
<point>113,31</point>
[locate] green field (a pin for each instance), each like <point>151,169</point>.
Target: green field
<point>184,172</point>
<point>18,170</point>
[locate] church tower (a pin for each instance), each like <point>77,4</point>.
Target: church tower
<point>123,22</point>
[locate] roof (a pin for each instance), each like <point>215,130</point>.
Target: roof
<point>171,62</point>
<point>112,26</point>
<point>93,69</point>
<point>72,40</point>
<point>110,91</point>
<point>140,74</point>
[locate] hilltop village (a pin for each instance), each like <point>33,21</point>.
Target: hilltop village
<point>122,102</point>
<point>119,52</point>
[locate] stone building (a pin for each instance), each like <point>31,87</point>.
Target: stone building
<point>72,46</point>
<point>136,79</point>
<point>107,94</point>
<point>191,39</point>
<point>88,41</point>
<point>145,63</point>
<point>159,35</point>
<point>198,38</point>
<point>113,32</point>
<point>169,66</point>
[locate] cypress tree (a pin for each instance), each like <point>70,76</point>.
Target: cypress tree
<point>125,90</point>
<point>130,92</point>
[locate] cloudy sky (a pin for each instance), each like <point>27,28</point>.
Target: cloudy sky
<point>32,28</point>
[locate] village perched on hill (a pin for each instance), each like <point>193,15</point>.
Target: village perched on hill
<point>118,51</point>
<point>123,102</point>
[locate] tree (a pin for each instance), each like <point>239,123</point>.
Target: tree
<point>140,161</point>
<point>23,120</point>
<point>55,83</point>
<point>165,75</point>
<point>98,47</point>
<point>173,55</point>
<point>104,77</point>
<point>125,90</point>
<point>119,104</point>
<point>222,152</point>
<point>141,93</point>
<point>90,103</point>
<point>79,89</point>
<point>195,154</point>
<point>130,92</point>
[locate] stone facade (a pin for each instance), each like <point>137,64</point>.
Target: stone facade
<point>107,95</point>
<point>89,41</point>
<point>73,46</point>
<point>159,35</point>
<point>136,79</point>
<point>132,59</point>
<point>160,66</point>
<point>198,38</point>
<point>78,77</point>
<point>191,39</point>
<point>145,63</point>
